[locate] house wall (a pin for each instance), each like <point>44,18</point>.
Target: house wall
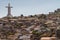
<point>48,38</point>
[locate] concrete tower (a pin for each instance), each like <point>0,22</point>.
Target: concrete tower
<point>9,10</point>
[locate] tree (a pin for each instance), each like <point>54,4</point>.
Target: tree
<point>31,16</point>
<point>21,15</point>
<point>42,16</point>
<point>36,34</point>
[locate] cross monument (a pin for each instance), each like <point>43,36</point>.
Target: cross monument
<point>9,10</point>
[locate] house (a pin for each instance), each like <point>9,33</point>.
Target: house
<point>48,38</point>
<point>24,37</point>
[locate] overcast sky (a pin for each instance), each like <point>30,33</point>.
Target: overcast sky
<point>28,7</point>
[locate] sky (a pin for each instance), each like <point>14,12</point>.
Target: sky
<point>28,7</point>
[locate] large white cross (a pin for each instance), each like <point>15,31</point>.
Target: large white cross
<point>9,10</point>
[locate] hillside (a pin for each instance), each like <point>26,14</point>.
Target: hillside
<point>40,25</point>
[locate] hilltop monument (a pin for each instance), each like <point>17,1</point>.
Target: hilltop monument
<point>9,10</point>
